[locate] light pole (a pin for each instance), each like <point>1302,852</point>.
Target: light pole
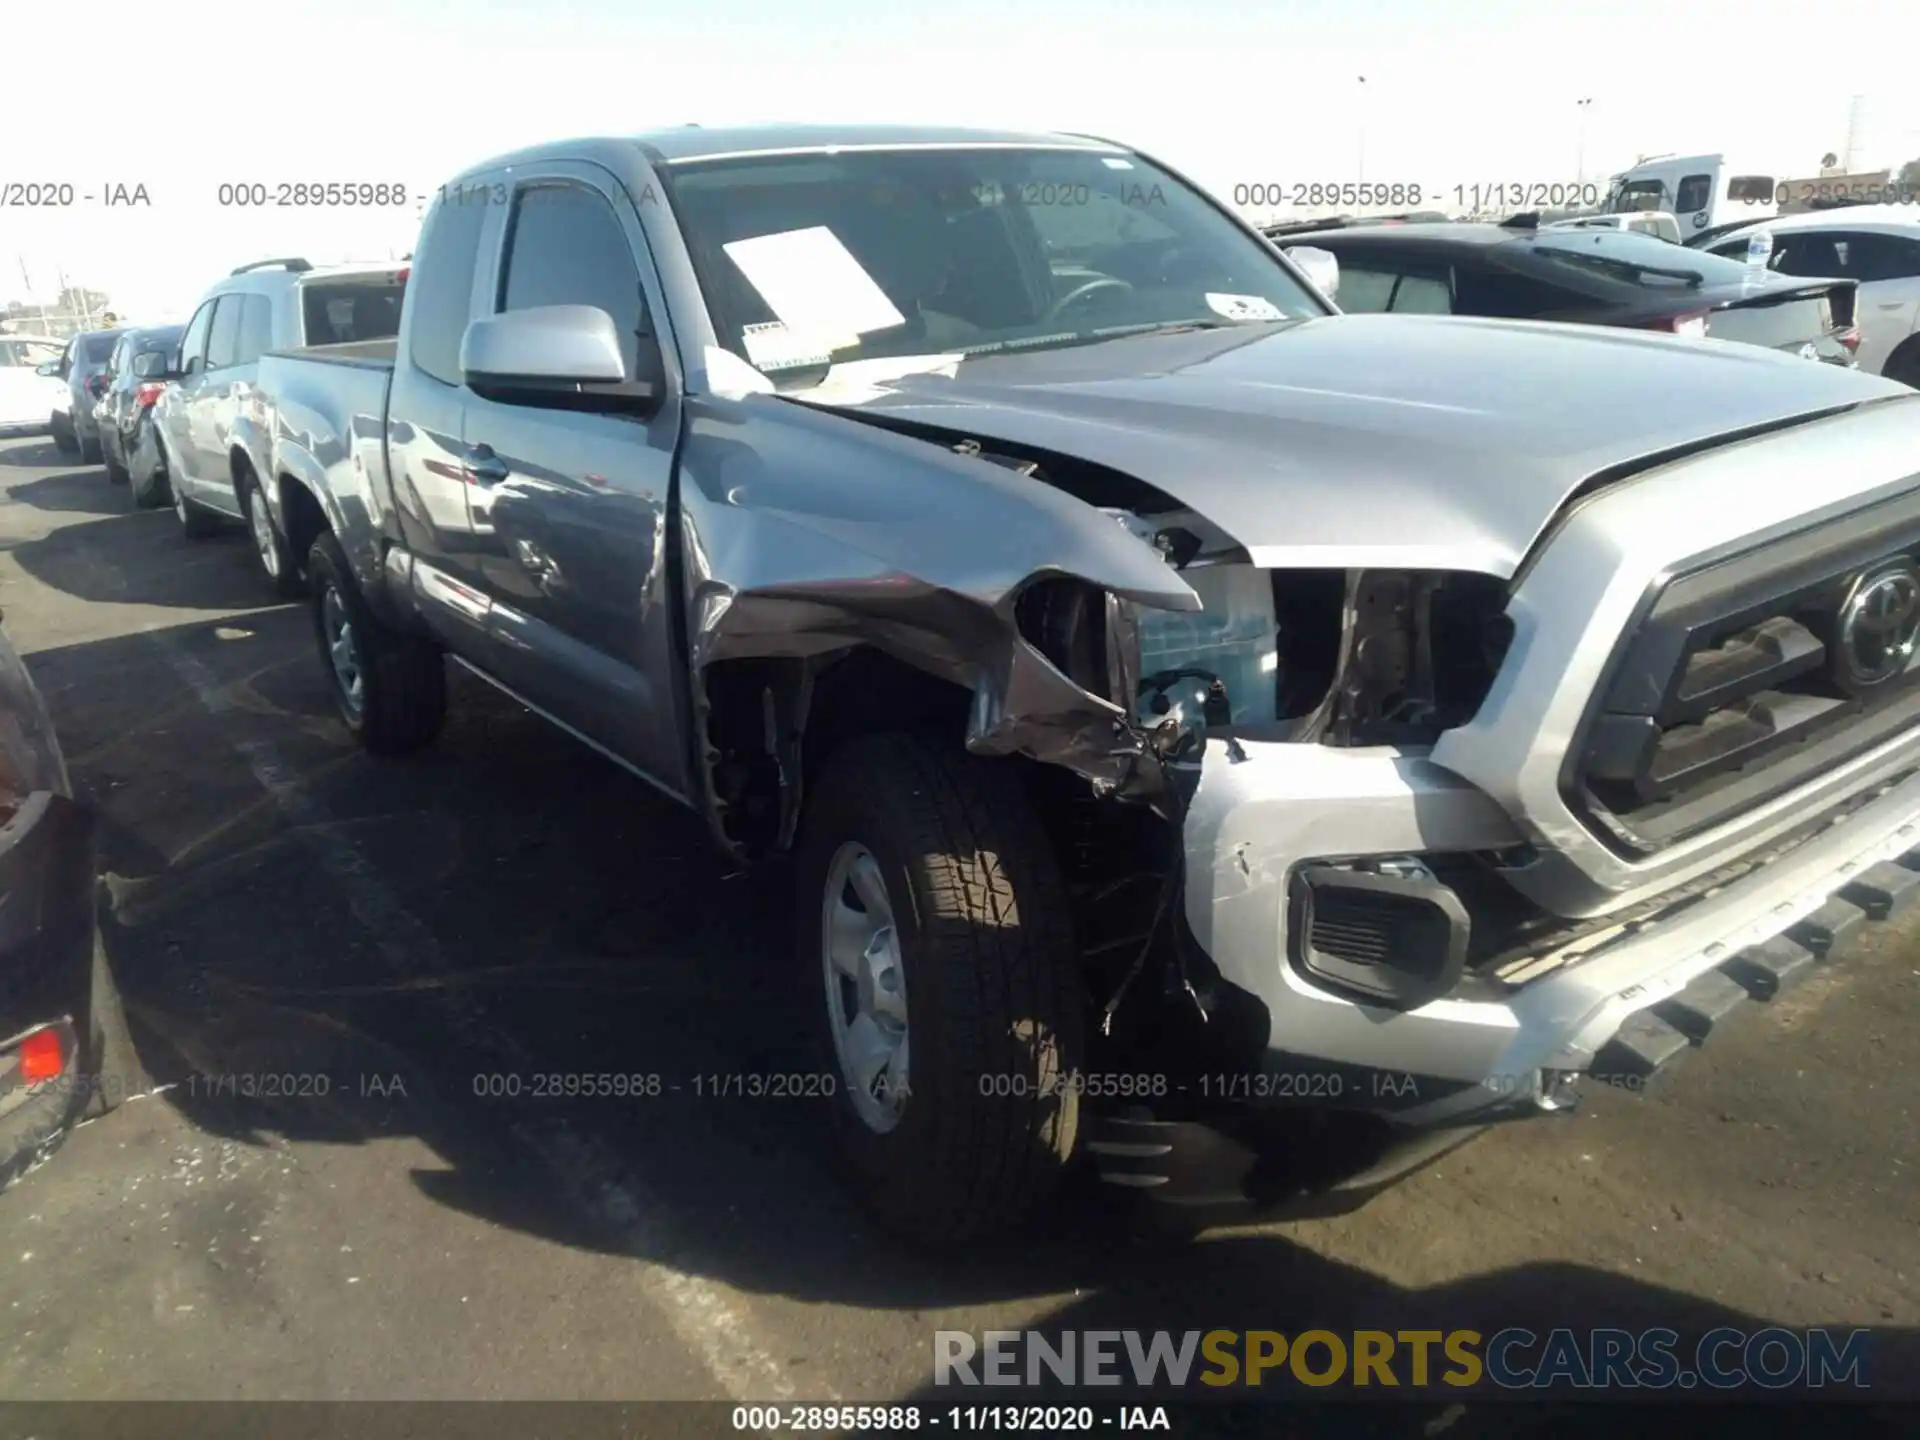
<point>1580,162</point>
<point>1361,177</point>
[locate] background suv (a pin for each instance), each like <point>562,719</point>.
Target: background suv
<point>83,366</point>
<point>270,305</point>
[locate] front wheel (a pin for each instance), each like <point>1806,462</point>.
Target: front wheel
<point>390,688</point>
<point>268,543</point>
<point>196,522</point>
<point>932,911</point>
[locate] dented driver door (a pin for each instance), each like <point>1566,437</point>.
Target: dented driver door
<point>570,508</point>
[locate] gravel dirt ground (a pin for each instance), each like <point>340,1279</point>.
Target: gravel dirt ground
<point>277,904</point>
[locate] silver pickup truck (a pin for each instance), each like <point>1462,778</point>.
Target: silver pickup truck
<point>1182,703</point>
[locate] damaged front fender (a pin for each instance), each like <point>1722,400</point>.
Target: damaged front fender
<point>862,537</point>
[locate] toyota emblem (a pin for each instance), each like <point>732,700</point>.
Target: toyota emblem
<point>1878,625</point>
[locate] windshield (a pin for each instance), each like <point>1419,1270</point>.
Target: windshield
<point>156,342</point>
<point>1637,259</point>
<point>894,253</point>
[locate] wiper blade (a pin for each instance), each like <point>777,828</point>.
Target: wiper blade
<point>1693,278</point>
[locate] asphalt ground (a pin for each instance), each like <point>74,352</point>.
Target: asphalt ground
<point>380,938</point>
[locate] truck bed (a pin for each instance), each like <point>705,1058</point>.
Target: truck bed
<point>370,354</point>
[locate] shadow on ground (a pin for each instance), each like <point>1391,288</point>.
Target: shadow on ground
<point>135,557</point>
<point>78,492</point>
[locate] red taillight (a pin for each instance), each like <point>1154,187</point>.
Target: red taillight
<point>1849,337</point>
<point>41,1057</point>
<point>147,394</point>
<point>400,276</point>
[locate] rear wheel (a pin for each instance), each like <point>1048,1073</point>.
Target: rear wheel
<point>933,916</point>
<point>116,470</point>
<point>1904,364</point>
<point>90,450</point>
<point>390,688</point>
<point>63,437</point>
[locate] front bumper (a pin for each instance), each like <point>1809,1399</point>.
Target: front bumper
<point>1628,1006</point>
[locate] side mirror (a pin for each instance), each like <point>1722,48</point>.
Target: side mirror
<point>564,356</point>
<point>51,369</point>
<point>1321,267</point>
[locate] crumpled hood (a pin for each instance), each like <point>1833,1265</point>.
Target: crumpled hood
<point>1373,440</point>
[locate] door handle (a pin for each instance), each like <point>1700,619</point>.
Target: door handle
<point>484,467</point>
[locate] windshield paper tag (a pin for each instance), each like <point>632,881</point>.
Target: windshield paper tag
<point>1243,307</point>
<point>813,283</point>
<point>774,347</point>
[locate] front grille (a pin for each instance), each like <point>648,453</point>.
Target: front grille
<point>1752,675</point>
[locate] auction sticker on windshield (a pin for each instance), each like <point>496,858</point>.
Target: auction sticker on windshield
<point>1243,307</point>
<point>773,346</point>
<point>813,283</point>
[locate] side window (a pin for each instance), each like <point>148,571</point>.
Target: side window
<point>256,329</point>
<point>566,247</point>
<point>1364,291</point>
<point>1817,256</point>
<point>1504,295</point>
<point>193,345</point>
<point>223,341</point>
<point>1422,295</point>
<point>1875,256</point>
<point>441,292</point>
<point>1695,193</point>
<point>66,359</point>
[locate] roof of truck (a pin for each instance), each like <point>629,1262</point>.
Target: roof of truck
<point>693,142</point>
<point>696,142</point>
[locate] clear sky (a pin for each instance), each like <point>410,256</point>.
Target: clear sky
<point>183,98</point>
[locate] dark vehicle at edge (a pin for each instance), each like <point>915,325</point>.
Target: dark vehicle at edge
<point>64,1050</point>
<point>1585,277</point>
<point>125,411</point>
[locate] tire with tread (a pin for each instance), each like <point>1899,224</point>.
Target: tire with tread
<point>1904,364</point>
<point>403,678</point>
<point>993,990</point>
<point>63,438</point>
<point>286,576</point>
<point>90,453</point>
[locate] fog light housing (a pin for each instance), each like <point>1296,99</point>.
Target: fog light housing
<point>1383,929</point>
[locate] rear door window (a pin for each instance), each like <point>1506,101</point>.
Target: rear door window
<point>1872,255</point>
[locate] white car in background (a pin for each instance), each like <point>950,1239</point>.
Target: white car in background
<point>1657,223</point>
<point>27,397</point>
<point>1878,247</point>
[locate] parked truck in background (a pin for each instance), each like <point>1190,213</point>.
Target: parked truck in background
<point>1181,702</point>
